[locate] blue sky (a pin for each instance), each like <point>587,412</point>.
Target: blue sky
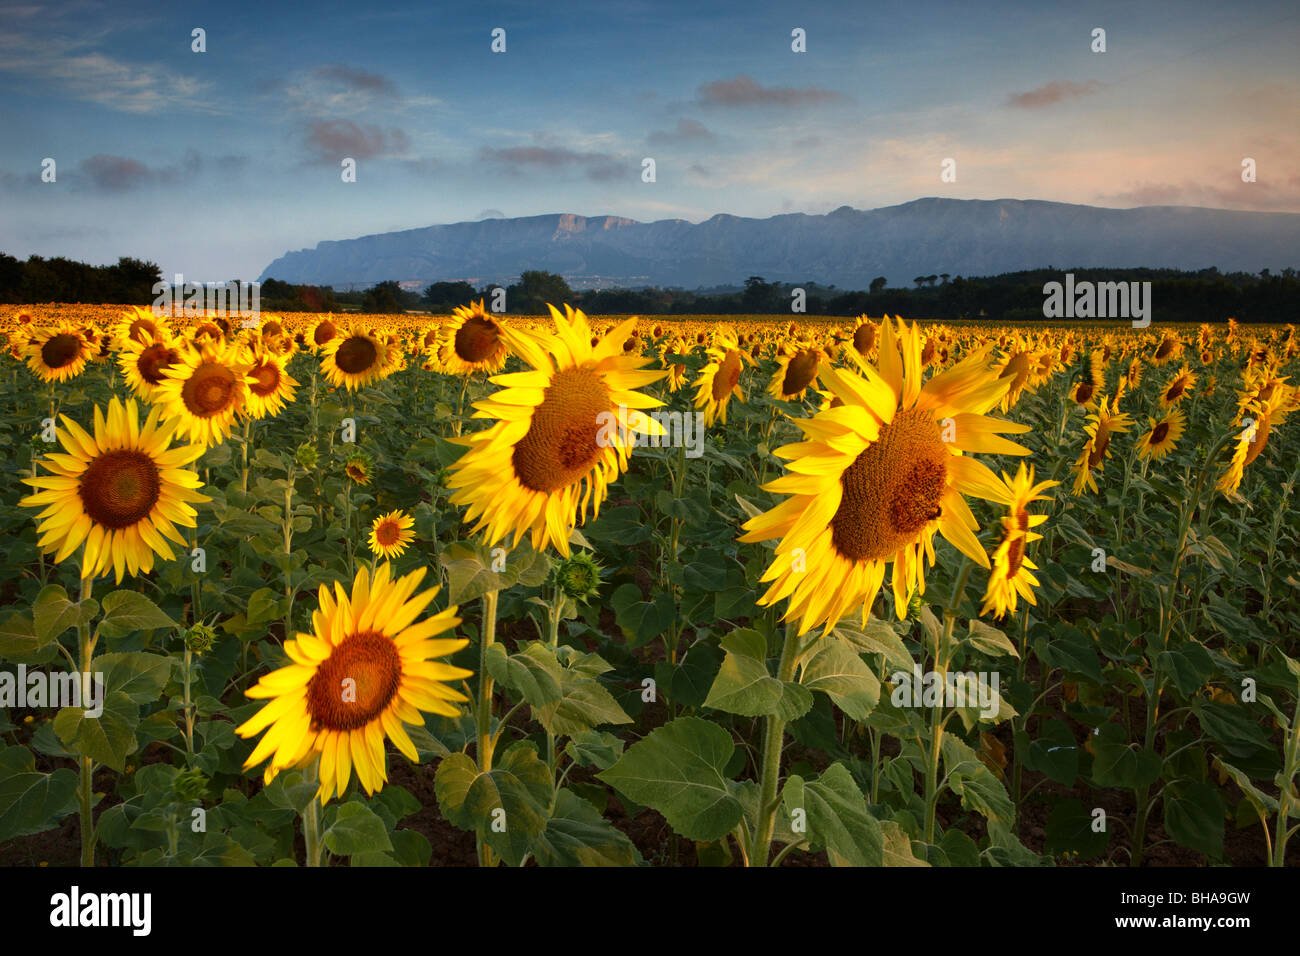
<point>214,163</point>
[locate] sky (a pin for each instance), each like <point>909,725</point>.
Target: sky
<point>211,164</point>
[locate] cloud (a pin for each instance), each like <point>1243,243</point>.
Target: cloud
<point>687,131</point>
<point>1262,196</point>
<point>491,214</point>
<point>743,91</point>
<point>356,79</point>
<point>1051,93</point>
<point>598,167</point>
<point>72,69</point>
<point>106,173</point>
<point>329,141</point>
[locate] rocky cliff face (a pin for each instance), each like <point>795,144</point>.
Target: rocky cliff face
<point>846,248</point>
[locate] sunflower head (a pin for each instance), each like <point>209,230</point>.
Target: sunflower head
<point>359,467</point>
<point>578,576</point>
<point>391,533</point>
<point>473,340</point>
<point>365,670</point>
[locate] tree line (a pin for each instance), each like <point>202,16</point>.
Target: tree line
<point>1205,295</point>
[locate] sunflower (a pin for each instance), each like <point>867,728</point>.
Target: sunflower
<point>555,446</point>
<point>143,361</point>
<point>205,390</point>
<point>321,333</point>
<point>353,359</point>
<point>1169,350</point>
<point>58,353</point>
<point>719,381</point>
<point>1103,423</point>
<point>1016,369</point>
<point>271,386</point>
<point>1178,387</point>
<point>121,491</point>
<point>795,373</point>
<point>1163,436</point>
<point>473,340</point>
<point>875,480</point>
<point>1252,441</point>
<point>1011,577</point>
<point>676,376</point>
<point>365,669</point>
<point>141,326</point>
<point>359,467</point>
<point>391,533</point>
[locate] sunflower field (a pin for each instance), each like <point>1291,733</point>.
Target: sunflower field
<point>403,590</point>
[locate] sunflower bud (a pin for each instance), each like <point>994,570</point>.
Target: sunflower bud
<point>578,576</point>
<point>190,784</point>
<point>200,638</point>
<point>307,456</point>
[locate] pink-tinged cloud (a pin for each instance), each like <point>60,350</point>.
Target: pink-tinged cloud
<point>331,140</point>
<point>1051,93</point>
<point>740,91</point>
<point>1261,196</point>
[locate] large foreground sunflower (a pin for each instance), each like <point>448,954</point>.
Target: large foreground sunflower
<point>875,480</point>
<point>120,491</point>
<point>363,671</point>
<point>559,440</point>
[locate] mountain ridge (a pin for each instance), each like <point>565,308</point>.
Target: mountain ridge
<point>846,247</point>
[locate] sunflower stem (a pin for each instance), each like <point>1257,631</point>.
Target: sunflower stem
<point>483,712</point>
<point>773,739</point>
<point>311,836</point>
<point>86,765</point>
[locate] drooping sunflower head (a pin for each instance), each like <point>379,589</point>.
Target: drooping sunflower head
<point>1178,387</point>
<point>365,669</point>
<point>119,491</point>
<point>719,380</point>
<point>205,390</point>
<point>58,353</point>
<point>391,533</point>
<point>1102,425</point>
<point>1011,576</point>
<point>359,467</point>
<point>878,476</point>
<point>473,340</point>
<point>563,433</point>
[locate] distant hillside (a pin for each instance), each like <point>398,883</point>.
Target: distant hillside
<point>846,248</point>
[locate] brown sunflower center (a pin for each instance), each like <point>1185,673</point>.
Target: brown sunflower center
<point>356,354</point>
<point>388,533</point>
<point>561,445</point>
<point>153,360</point>
<point>1158,433</point>
<point>1099,445</point>
<point>355,683</point>
<point>864,337</point>
<point>1166,347</point>
<point>728,374</point>
<point>892,490</point>
<point>477,339</point>
<point>267,377</point>
<point>1015,556</point>
<point>1084,393</point>
<point>120,488</point>
<point>62,349</point>
<point>140,328</point>
<point>1176,390</point>
<point>209,391</point>
<point>1261,439</point>
<point>800,371</point>
<point>323,333</point>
